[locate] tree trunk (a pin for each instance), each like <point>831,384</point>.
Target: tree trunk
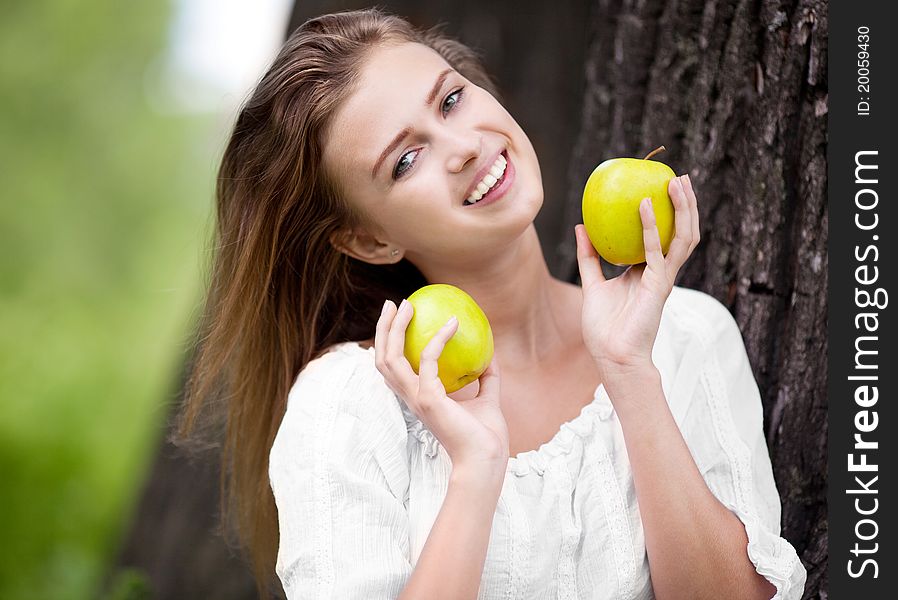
<point>736,91</point>
<point>175,548</point>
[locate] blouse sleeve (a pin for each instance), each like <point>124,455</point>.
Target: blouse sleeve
<point>339,474</point>
<point>722,423</point>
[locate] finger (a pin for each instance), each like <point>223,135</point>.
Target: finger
<point>398,365</point>
<point>696,229</point>
<point>650,238</point>
<point>489,380</point>
<point>587,258</point>
<point>679,246</point>
<point>380,335</point>
<point>428,369</point>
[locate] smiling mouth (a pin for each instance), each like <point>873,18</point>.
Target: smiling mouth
<point>496,175</point>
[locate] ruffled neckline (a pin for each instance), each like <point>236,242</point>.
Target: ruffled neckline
<point>570,433</point>
<point>538,459</point>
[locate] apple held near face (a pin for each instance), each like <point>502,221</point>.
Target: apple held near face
<point>611,207</point>
<point>468,352</point>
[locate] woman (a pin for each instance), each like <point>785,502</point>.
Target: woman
<point>618,455</point>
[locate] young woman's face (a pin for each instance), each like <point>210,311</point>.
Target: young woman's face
<point>411,144</point>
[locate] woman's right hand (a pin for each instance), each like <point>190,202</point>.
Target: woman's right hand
<point>473,431</point>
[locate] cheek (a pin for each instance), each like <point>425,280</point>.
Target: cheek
<point>431,188</point>
<point>424,209</point>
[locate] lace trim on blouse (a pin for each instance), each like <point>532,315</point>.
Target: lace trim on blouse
<point>571,432</point>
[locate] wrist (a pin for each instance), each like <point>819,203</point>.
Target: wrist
<point>635,390</point>
<point>482,475</point>
<point>613,370</point>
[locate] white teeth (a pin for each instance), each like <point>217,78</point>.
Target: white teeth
<point>489,180</point>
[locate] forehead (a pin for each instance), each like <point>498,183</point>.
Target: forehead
<point>394,81</point>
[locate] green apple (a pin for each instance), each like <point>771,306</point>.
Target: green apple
<point>468,352</point>
<point>611,207</point>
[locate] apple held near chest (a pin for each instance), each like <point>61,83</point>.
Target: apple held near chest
<point>611,201</point>
<point>468,352</point>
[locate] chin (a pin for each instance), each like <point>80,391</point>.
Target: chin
<point>525,218</point>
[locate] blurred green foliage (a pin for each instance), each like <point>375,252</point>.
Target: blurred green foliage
<point>106,207</point>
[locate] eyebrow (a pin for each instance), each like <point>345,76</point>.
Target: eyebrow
<point>431,96</point>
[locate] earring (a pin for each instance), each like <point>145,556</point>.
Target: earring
<point>394,252</point>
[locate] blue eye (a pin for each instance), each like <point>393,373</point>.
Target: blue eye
<point>403,165</point>
<point>460,93</point>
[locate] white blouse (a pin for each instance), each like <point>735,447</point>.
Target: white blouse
<point>359,480</point>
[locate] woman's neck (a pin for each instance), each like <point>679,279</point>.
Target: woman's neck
<point>535,318</point>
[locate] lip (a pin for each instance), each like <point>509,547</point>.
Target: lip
<point>497,191</point>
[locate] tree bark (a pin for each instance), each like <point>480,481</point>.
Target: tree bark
<point>737,92</point>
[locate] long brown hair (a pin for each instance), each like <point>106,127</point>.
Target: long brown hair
<point>279,294</point>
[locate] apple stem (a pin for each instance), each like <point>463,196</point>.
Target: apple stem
<point>654,152</point>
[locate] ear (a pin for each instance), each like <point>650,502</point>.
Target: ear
<point>364,246</point>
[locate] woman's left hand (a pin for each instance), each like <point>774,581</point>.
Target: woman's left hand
<point>621,316</point>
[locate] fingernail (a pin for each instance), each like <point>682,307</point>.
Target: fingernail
<point>451,320</point>
<point>687,179</point>
<point>403,305</point>
<point>384,309</point>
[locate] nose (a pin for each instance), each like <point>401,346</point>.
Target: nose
<point>465,146</point>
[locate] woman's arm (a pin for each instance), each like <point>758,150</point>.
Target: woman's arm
<point>339,474</point>
<point>696,547</point>
<point>451,563</point>
<point>474,435</point>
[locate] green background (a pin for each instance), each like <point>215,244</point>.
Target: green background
<point>106,209</point>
